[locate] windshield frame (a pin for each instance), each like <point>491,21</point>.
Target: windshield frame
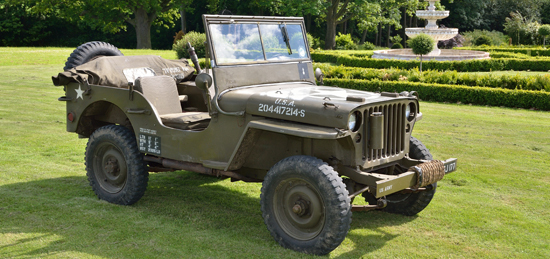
<point>259,21</point>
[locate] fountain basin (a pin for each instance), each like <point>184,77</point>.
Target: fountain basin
<point>432,15</point>
<point>445,55</point>
<point>438,34</point>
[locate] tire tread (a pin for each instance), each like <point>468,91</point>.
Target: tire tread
<point>138,173</point>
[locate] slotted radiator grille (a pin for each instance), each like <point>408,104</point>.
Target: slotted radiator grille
<point>394,131</point>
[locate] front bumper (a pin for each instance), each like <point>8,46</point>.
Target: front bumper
<point>419,175</point>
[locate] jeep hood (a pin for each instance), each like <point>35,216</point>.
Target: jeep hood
<point>305,103</point>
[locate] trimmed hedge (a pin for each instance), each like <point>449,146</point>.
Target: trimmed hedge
<point>483,65</point>
<point>331,56</point>
<point>518,81</point>
<point>504,54</point>
<point>453,93</point>
<point>528,51</point>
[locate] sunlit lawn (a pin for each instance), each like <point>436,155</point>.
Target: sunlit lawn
<point>497,205</point>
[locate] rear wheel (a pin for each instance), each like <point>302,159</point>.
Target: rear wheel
<point>409,204</point>
<point>305,205</point>
<point>90,51</point>
<point>115,167</point>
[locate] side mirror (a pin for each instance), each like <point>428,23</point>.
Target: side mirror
<point>203,81</point>
<point>319,76</point>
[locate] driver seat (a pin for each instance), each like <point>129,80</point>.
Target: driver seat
<point>162,93</point>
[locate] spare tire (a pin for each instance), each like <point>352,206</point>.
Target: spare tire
<point>90,51</point>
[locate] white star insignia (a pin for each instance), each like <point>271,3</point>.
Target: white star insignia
<point>79,93</point>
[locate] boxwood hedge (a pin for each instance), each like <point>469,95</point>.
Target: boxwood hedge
<point>528,51</point>
<point>517,81</point>
<point>483,65</point>
<point>454,93</point>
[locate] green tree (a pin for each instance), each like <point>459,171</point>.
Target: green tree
<point>421,45</point>
<point>333,12</point>
<point>113,15</point>
<point>521,29</point>
<point>19,27</point>
<point>468,15</point>
<point>544,31</point>
<point>498,10</point>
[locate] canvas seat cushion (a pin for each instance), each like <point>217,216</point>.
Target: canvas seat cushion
<point>186,120</point>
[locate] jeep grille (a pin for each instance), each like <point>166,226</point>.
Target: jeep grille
<point>394,131</point>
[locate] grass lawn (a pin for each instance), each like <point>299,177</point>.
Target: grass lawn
<point>497,205</point>
<point>10,56</point>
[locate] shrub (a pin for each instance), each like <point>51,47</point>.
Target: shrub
<point>197,41</point>
<point>497,38</point>
<point>367,46</point>
<point>483,40</point>
<point>397,46</point>
<point>344,41</point>
<point>315,43</point>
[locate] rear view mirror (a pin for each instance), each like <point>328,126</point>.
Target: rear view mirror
<point>203,81</point>
<point>319,76</point>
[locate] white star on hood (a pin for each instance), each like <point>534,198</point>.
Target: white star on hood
<point>79,93</point>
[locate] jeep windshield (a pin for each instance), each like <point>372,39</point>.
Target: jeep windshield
<point>257,42</point>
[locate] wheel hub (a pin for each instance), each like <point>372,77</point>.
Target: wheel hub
<point>300,208</point>
<point>112,170</point>
<point>111,166</point>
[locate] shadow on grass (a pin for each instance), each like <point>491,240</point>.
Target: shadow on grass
<point>368,234</point>
<point>181,215</point>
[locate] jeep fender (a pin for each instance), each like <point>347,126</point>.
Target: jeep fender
<point>304,131</point>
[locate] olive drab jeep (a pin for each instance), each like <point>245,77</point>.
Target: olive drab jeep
<point>253,113</point>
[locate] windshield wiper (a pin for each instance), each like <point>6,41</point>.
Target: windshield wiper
<point>285,37</point>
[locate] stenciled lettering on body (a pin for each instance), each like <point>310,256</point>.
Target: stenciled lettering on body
<point>450,167</point>
<point>282,107</point>
<point>149,144</point>
<point>384,189</point>
<point>148,131</point>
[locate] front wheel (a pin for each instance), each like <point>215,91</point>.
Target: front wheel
<point>114,166</point>
<point>305,205</point>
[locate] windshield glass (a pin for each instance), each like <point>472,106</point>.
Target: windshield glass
<point>242,42</point>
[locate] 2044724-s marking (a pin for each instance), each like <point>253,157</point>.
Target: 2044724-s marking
<point>283,110</point>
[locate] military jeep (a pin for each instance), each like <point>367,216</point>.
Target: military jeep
<point>254,113</point>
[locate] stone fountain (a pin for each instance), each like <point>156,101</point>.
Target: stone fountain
<point>438,34</point>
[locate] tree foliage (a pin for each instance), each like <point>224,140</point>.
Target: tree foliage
<point>131,23</point>
<point>421,45</point>
<point>110,16</point>
<point>522,29</point>
<point>544,31</point>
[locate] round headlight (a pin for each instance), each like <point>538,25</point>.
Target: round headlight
<point>352,122</point>
<point>410,112</point>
